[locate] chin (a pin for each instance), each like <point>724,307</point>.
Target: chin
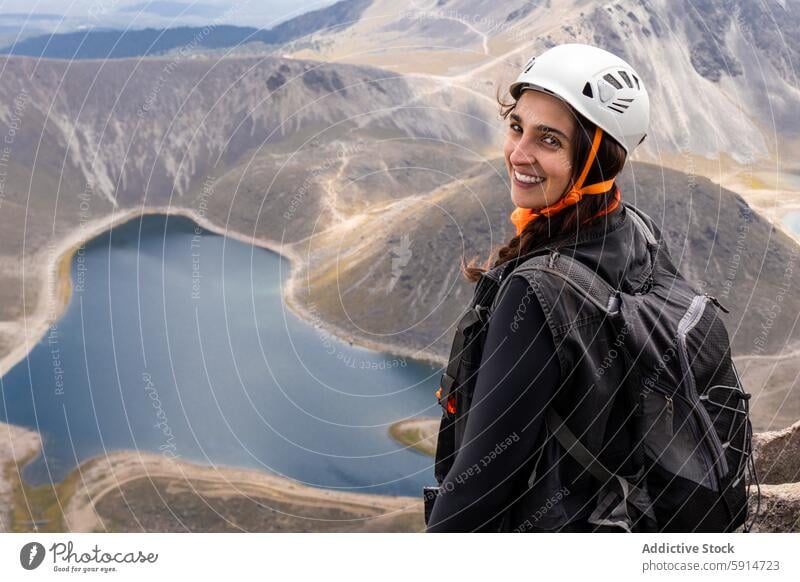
<point>526,200</point>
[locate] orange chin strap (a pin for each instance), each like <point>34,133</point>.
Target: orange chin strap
<point>522,216</point>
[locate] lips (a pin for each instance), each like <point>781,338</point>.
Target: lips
<point>527,180</point>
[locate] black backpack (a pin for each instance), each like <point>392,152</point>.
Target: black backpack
<point>687,409</point>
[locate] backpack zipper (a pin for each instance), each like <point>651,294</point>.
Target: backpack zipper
<point>670,414</point>
<point>689,321</point>
<point>669,396</point>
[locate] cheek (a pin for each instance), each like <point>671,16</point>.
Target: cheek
<point>558,166</point>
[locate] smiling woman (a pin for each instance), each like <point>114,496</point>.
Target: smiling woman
<point>583,391</point>
<point>563,149</point>
<point>561,411</point>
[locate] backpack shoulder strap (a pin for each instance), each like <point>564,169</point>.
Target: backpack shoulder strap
<point>583,279</point>
<point>654,243</point>
<point>641,224</point>
<point>475,315</point>
<point>580,276</point>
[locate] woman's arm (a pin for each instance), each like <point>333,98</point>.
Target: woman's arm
<point>518,376</point>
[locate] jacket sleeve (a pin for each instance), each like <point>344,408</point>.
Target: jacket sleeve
<point>518,376</point>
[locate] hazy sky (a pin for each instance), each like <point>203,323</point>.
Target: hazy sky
<point>260,13</point>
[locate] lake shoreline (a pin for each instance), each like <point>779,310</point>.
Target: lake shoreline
<point>56,272</point>
<point>75,503</point>
<point>56,294</point>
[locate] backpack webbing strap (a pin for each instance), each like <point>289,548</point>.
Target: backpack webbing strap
<point>575,448</point>
<point>640,223</point>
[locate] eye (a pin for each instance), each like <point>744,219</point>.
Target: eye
<point>554,140</point>
<point>513,125</point>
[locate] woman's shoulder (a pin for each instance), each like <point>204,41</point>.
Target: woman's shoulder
<point>516,302</point>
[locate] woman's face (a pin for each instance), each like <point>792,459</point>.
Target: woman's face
<point>539,145</point>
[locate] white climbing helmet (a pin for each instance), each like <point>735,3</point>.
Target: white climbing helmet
<point>598,84</point>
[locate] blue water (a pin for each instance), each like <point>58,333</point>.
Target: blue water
<point>176,341</point>
<point>792,220</point>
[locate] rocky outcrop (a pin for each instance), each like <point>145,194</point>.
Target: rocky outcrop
<point>780,508</point>
<point>777,455</point>
<point>777,460</point>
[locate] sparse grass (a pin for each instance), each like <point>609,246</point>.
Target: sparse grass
<point>412,436</point>
<point>38,504</point>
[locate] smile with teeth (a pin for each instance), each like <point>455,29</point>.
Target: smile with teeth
<point>527,178</point>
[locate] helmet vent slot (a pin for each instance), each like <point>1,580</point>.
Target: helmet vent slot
<point>613,80</point>
<point>529,64</point>
<point>626,78</point>
<point>587,90</point>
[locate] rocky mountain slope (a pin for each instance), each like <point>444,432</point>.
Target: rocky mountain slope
<point>719,72</point>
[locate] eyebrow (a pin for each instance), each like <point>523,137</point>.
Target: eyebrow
<point>542,128</point>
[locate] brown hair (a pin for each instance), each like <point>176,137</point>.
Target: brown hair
<point>563,225</point>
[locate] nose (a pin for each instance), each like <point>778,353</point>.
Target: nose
<point>522,155</point>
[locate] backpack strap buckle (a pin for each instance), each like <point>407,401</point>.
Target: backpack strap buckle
<point>446,395</point>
